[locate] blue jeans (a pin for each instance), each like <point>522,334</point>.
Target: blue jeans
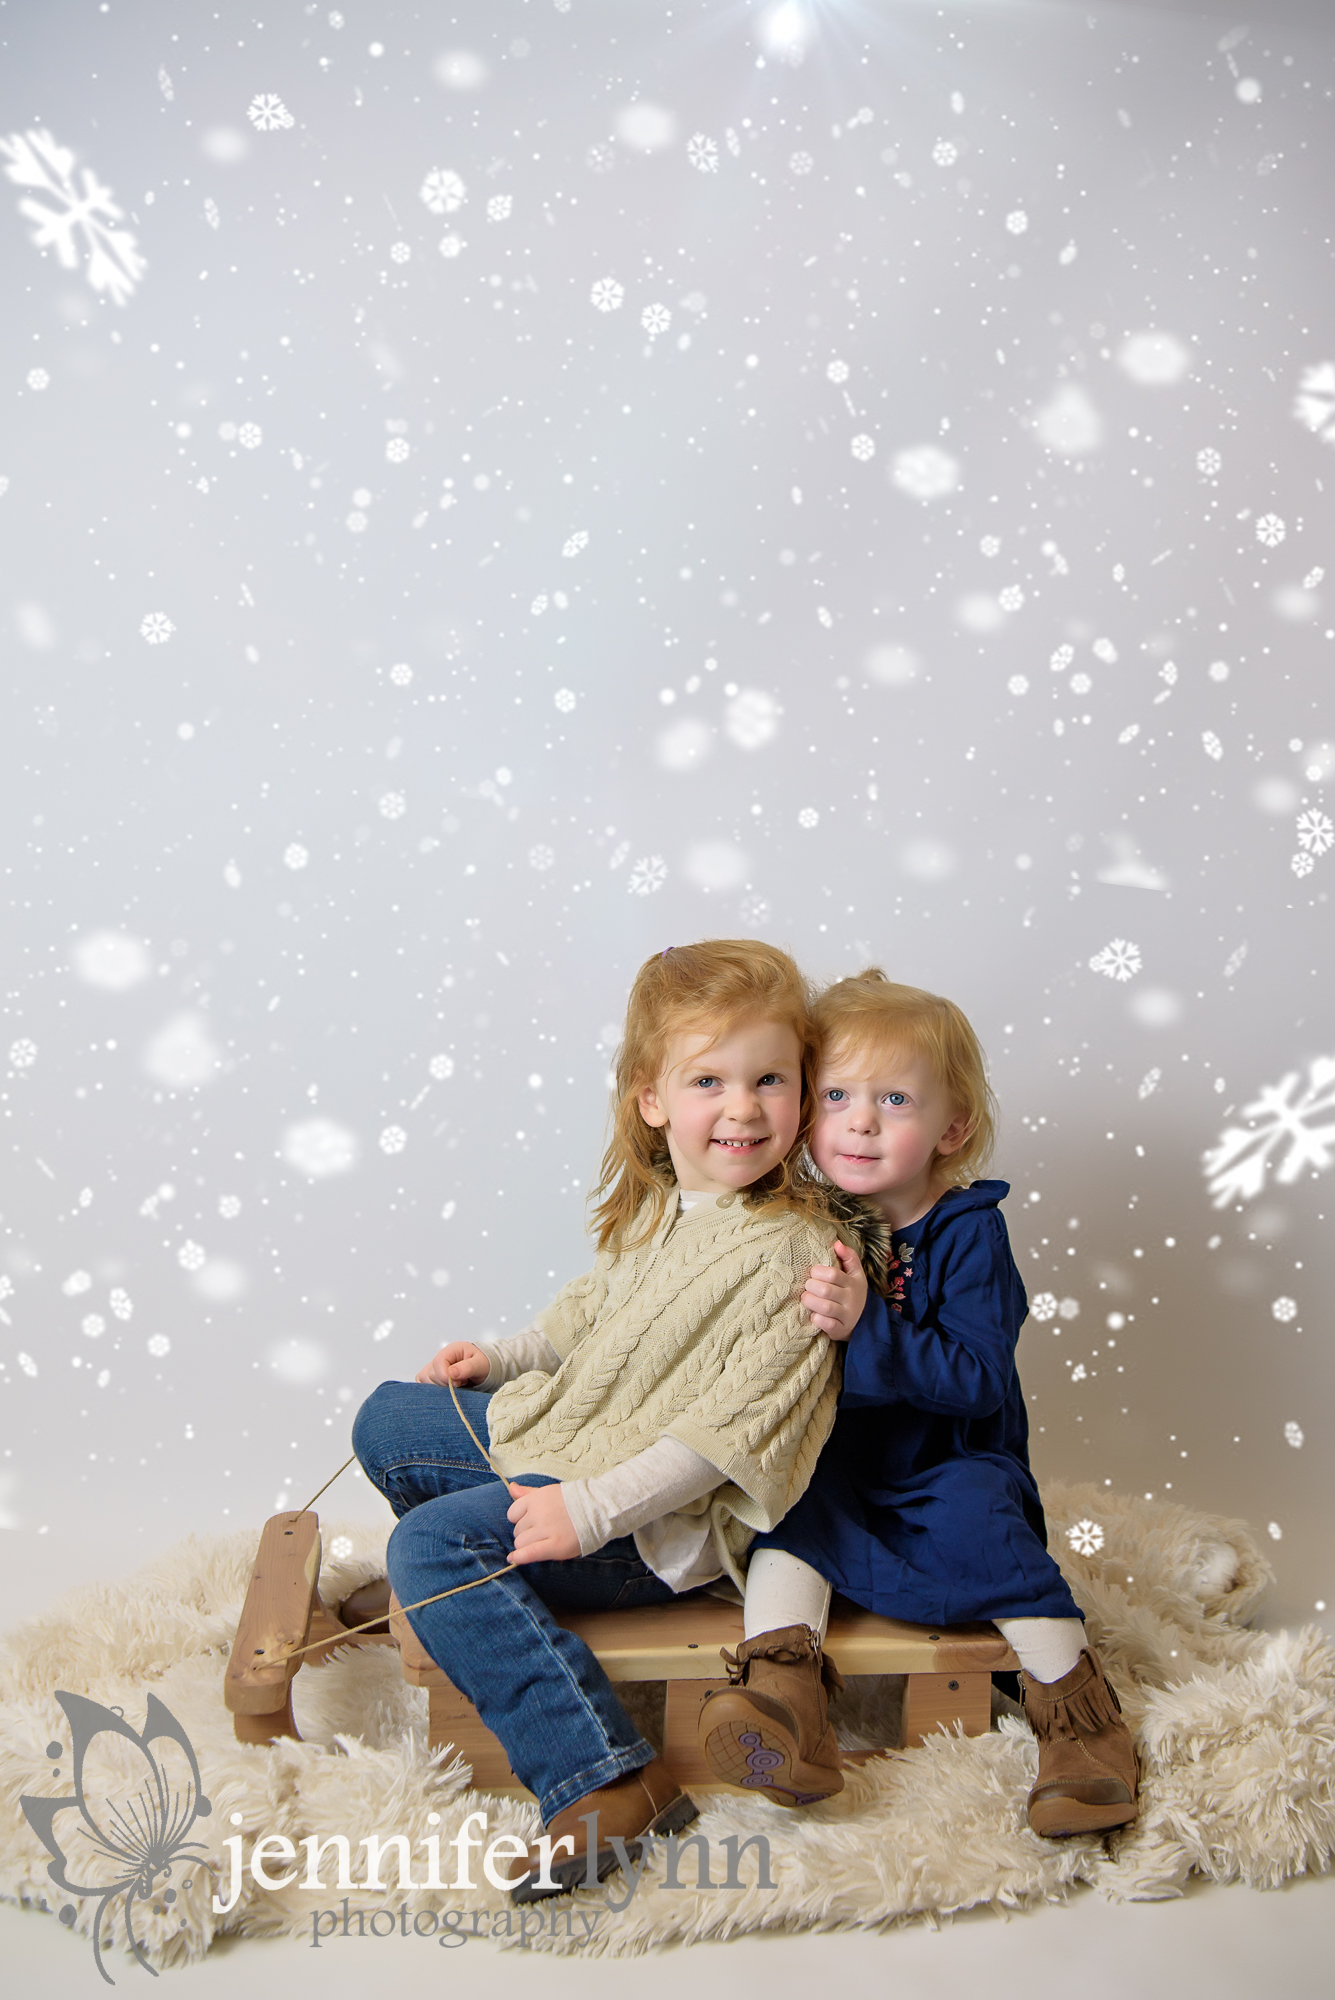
<point>534,1684</point>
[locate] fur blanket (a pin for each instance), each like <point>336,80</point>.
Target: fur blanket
<point>1236,1731</point>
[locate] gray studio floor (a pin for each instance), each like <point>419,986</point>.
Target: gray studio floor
<point>1228,1942</point>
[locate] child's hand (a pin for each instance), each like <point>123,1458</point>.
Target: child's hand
<point>835,1294</point>
<point>542,1526</point>
<point>458,1361</point>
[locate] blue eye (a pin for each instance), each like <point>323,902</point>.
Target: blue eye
<point>769,1077</point>
<point>834,1096</point>
<point>895,1097</point>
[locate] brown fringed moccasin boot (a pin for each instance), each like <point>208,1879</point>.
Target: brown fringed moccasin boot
<point>577,1844</point>
<point>770,1729</point>
<point>1087,1769</point>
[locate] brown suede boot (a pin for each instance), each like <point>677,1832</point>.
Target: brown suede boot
<point>1087,1768</point>
<point>369,1600</point>
<point>770,1730</point>
<point>632,1809</point>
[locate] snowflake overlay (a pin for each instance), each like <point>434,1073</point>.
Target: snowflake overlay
<point>1315,832</point>
<point>80,218</point>
<point>1284,1117</point>
<point>1314,404</point>
<point>443,191</point>
<point>268,113</point>
<point>648,874</point>
<point>1118,960</point>
<point>1085,1538</point>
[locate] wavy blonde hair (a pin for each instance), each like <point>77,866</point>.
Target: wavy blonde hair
<point>869,1014</point>
<point>705,988</point>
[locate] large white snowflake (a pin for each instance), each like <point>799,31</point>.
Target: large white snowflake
<point>607,294</point>
<point>79,219</point>
<point>648,874</point>
<point>1315,832</point>
<point>268,113</point>
<point>1286,1120</point>
<point>443,191</point>
<point>1118,960</point>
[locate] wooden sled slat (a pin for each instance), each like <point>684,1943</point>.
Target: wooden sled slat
<point>275,1619</point>
<point>949,1671</point>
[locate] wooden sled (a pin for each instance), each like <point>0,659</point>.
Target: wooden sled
<point>949,1671</point>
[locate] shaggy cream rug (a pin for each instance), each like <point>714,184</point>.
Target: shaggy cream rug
<point>1236,1730</point>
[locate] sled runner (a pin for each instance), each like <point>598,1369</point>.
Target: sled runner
<point>285,1625</point>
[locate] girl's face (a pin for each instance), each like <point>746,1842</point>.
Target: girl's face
<point>882,1120</point>
<point>730,1106</point>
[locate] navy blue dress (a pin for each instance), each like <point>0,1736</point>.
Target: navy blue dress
<point>922,1505</point>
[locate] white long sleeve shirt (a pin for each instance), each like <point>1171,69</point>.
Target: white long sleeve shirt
<point>642,1496</point>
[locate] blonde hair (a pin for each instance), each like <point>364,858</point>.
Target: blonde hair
<point>870,1013</point>
<point>706,988</point>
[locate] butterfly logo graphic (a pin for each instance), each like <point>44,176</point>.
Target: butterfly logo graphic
<point>133,1840</point>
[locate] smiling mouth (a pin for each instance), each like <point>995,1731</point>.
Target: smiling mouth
<point>740,1145</point>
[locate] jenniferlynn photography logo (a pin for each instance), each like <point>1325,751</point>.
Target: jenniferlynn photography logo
<point>135,1842</point>
<point>141,1837</point>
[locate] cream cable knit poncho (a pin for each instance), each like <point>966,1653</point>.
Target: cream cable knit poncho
<point>698,1335</point>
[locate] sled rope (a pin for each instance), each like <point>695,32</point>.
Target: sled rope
<point>453,1592</point>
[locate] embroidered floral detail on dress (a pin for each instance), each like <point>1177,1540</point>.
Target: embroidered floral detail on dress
<point>899,1269</point>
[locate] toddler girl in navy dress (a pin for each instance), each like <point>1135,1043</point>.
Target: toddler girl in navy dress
<point>922,1506</point>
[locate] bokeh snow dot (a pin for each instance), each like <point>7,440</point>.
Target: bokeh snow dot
<point>1156,359</point>
<point>646,128</point>
<point>220,1280</point>
<point>460,69</point>
<point>320,1148</point>
<point>1069,423</point>
<point>752,719</point>
<point>112,960</point>
<point>893,666</point>
<point>1155,1007</point>
<point>183,1054</point>
<point>685,745</point>
<point>714,865</point>
<point>298,1362</point>
<point>925,472</point>
<point>928,860</point>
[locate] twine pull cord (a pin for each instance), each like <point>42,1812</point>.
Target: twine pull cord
<point>492,1577</point>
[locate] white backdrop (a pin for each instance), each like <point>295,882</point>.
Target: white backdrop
<point>486,496</point>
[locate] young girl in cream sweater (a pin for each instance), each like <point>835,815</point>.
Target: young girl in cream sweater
<point>661,1411</point>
